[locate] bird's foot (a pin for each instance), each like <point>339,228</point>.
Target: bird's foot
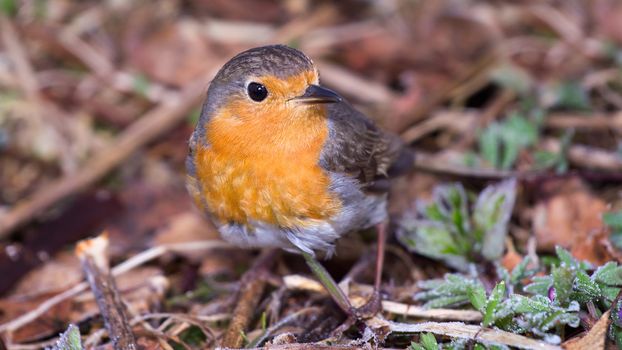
<point>371,308</point>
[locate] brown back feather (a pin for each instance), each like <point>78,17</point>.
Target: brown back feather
<point>356,146</point>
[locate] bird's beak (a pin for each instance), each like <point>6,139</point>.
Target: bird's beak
<point>316,94</point>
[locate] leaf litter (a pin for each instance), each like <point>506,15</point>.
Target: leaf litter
<point>510,223</point>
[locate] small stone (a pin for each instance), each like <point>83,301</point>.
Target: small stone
<point>284,338</point>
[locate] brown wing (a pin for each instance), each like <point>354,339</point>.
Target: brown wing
<point>359,148</point>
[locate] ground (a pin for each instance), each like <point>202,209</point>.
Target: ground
<point>511,222</point>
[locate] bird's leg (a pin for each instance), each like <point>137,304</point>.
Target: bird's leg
<point>381,229</point>
<point>374,304</point>
<point>329,283</point>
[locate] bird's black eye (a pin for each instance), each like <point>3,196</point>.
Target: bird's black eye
<point>257,92</point>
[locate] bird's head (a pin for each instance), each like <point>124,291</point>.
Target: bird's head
<point>267,94</point>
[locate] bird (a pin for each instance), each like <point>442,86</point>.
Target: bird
<point>277,160</point>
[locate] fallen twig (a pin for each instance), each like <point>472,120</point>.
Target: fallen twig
<point>432,314</point>
<point>25,73</point>
<point>94,259</point>
<point>586,156</point>
<point>492,111</point>
<point>404,122</point>
<point>34,346</point>
<point>439,164</point>
<point>306,346</point>
<point>42,112</point>
<point>458,122</point>
<point>347,82</point>
<point>297,27</point>
<point>320,39</point>
<point>94,338</point>
<point>585,122</point>
<point>282,323</point>
<point>251,291</point>
<point>466,331</point>
<point>432,164</point>
<point>567,29</point>
<point>105,70</point>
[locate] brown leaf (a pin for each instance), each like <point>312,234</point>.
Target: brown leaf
<point>570,218</point>
<point>86,214</point>
<point>593,248</point>
<point>49,323</point>
<point>140,289</point>
<point>511,259</point>
<point>188,226</point>
<point>594,339</point>
<point>54,276</point>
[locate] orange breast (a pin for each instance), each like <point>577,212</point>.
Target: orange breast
<point>265,168</point>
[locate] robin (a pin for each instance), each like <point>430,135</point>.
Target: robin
<point>276,160</point>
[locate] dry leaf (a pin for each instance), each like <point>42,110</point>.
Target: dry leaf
<point>188,226</point>
<point>140,289</point>
<point>511,259</point>
<point>594,339</point>
<point>54,276</point>
<point>568,218</point>
<point>594,247</point>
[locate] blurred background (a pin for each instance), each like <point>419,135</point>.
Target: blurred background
<point>98,99</point>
